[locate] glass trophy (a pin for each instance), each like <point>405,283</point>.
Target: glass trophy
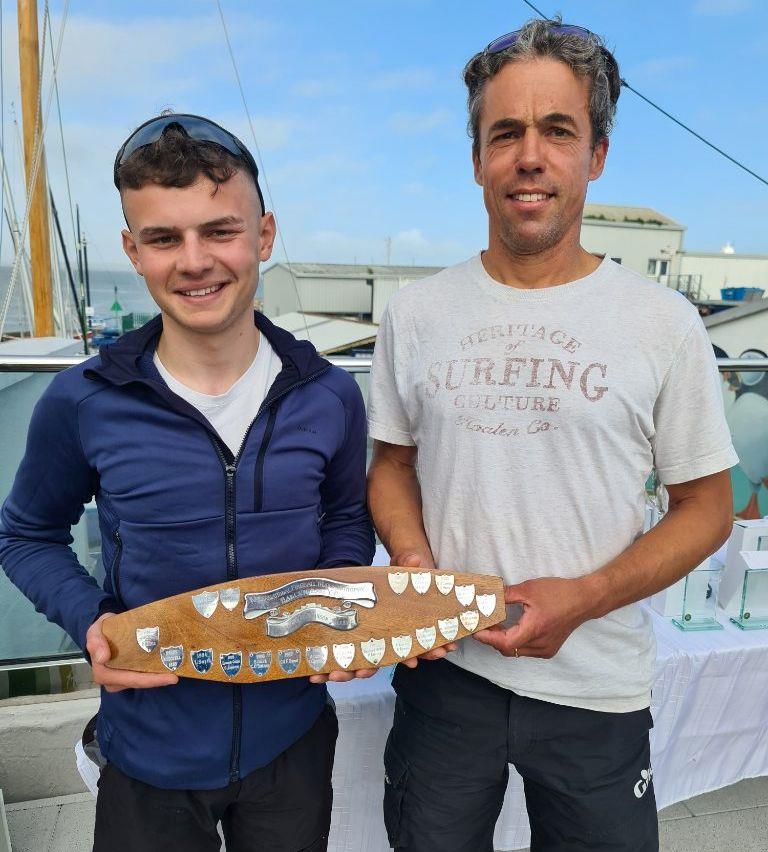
<point>700,600</point>
<point>753,613</point>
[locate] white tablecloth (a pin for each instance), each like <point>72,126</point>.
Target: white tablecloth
<point>710,710</point>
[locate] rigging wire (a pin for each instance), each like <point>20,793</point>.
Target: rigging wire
<point>677,121</point>
<point>61,135</point>
<point>40,123</point>
<point>261,164</point>
<point>2,118</point>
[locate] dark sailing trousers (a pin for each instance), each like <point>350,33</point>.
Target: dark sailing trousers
<point>282,807</point>
<point>586,774</point>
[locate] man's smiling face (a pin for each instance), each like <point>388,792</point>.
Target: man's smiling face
<point>535,155</point>
<point>198,248</point>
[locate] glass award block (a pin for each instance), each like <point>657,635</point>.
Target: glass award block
<point>700,600</point>
<point>753,614</point>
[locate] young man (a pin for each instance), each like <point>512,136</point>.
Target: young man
<point>518,402</point>
<point>217,446</point>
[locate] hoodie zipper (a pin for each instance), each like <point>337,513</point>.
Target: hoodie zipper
<point>115,571</point>
<point>229,464</point>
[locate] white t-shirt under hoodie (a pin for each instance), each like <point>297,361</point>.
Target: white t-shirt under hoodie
<point>232,412</point>
<point>538,415</point>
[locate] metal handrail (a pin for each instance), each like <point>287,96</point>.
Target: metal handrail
<point>362,364</point>
<point>56,363</point>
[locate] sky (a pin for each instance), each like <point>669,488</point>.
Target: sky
<point>358,111</point>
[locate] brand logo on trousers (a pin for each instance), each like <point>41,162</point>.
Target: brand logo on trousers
<point>644,783</point>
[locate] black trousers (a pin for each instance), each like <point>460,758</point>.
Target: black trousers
<point>282,807</point>
<point>587,774</point>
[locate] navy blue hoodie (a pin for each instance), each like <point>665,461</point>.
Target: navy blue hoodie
<point>177,512</point>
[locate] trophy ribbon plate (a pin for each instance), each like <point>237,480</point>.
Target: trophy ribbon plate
<point>302,623</point>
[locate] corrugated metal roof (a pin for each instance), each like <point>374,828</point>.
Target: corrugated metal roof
<point>620,214</point>
<point>327,334</point>
<point>358,270</point>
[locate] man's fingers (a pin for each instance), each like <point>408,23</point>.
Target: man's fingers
<point>115,679</point>
<point>98,648</point>
<point>506,640</point>
<point>341,676</point>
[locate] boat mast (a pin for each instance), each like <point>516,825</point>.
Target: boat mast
<point>39,228</point>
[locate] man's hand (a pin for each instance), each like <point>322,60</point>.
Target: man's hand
<point>114,680</point>
<point>552,609</point>
<point>411,558</point>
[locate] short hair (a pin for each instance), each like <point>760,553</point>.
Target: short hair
<point>585,54</point>
<point>176,159</point>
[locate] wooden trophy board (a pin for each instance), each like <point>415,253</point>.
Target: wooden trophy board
<point>302,623</point>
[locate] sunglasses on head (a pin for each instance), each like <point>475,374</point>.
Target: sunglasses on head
<point>505,41</point>
<point>196,127</point>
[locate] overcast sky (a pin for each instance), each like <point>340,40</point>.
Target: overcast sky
<point>359,112</point>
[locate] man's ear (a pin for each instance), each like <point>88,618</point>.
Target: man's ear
<point>598,159</point>
<point>129,247</point>
<point>477,167</point>
<point>267,231</point>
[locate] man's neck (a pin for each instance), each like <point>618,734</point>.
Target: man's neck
<point>562,263</point>
<point>208,363</point>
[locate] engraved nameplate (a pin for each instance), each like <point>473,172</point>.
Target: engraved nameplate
<point>260,603</point>
<point>286,623</point>
<point>148,637</point>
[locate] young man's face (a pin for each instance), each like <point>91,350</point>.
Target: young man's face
<point>199,249</point>
<point>535,154</point>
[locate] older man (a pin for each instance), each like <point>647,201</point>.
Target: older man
<point>518,402</point>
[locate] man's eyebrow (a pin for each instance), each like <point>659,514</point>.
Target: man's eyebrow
<point>559,118</point>
<point>505,124</point>
<point>223,220</point>
<point>161,230</point>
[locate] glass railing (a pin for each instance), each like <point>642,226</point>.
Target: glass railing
<point>37,656</point>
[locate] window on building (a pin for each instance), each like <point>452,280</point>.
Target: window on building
<point>657,266</point>
<point>616,259</point>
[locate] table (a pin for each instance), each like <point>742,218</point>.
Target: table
<point>710,710</point>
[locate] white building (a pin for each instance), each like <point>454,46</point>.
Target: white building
<point>343,289</point>
<point>652,244</point>
<point>638,237</point>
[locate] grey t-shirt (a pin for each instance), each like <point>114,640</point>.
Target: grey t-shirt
<point>538,415</point>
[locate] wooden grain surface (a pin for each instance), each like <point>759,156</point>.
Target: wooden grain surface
<point>229,632</point>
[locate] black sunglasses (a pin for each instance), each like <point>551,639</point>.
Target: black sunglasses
<point>196,127</point>
<point>505,41</point>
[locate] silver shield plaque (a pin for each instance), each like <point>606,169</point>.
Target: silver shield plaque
<point>465,594</point>
<point>172,657</point>
<point>444,583</point>
<point>317,656</point>
<point>470,619</point>
<point>344,654</point>
<point>398,581</point>
<point>402,645</point>
<point>202,660</point>
<point>421,581</point>
<point>426,637</point>
<point>205,603</point>
<point>486,604</point>
<point>229,598</point>
<point>148,637</point>
<point>231,663</point>
<point>259,662</point>
<point>449,627</point>
<point>289,659</point>
<point>373,650</point>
